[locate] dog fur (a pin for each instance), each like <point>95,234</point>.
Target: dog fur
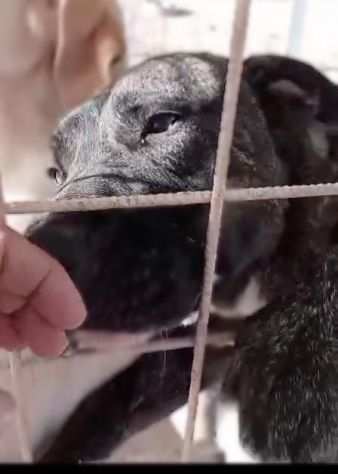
<point>299,107</point>
<point>156,131</point>
<point>165,246</point>
<point>282,380</point>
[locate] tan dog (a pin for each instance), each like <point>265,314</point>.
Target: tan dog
<point>54,55</point>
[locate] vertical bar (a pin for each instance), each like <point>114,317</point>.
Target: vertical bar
<point>233,80</point>
<point>24,444</point>
<point>297,26</point>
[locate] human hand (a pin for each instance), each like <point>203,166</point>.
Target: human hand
<point>38,300</point>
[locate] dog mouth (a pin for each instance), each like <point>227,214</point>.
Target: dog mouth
<point>133,275</point>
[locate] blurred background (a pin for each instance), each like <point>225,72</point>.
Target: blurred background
<point>303,28</point>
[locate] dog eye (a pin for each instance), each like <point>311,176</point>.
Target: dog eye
<point>56,174</point>
<point>160,123</point>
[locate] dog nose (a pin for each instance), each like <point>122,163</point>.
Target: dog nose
<point>62,237</point>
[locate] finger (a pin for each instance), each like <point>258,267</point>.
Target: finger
<point>42,339</point>
<point>10,303</point>
<point>58,301</point>
<point>42,281</point>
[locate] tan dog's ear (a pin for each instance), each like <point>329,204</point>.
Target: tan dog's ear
<point>90,48</point>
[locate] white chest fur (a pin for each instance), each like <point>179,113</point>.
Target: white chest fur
<point>228,435</point>
<point>248,302</point>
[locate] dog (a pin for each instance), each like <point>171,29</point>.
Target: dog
<point>43,74</point>
<point>155,131</point>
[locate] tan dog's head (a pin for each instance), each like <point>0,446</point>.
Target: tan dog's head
<point>54,54</point>
<point>87,41</point>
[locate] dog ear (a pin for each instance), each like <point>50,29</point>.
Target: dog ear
<point>90,48</point>
<point>286,88</point>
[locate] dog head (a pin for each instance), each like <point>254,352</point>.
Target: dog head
<point>156,131</point>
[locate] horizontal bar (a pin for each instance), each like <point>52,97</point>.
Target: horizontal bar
<point>215,340</point>
<point>169,199</point>
<point>88,342</point>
